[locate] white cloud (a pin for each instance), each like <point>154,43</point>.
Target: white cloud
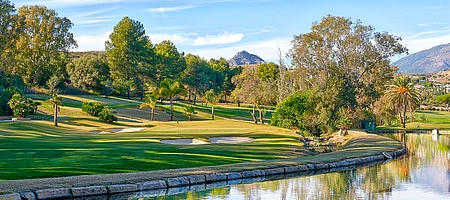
<point>92,42</point>
<point>193,39</point>
<point>426,40</point>
<point>169,9</point>
<point>160,12</point>
<point>223,38</point>
<point>175,38</point>
<point>434,23</point>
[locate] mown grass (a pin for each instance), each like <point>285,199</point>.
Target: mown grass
<point>38,149</point>
<point>434,120</point>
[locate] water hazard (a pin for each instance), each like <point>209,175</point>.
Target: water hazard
<point>423,174</point>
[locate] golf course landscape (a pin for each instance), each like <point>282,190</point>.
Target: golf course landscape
<point>37,149</point>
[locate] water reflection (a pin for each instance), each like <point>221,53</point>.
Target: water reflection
<point>424,174</point>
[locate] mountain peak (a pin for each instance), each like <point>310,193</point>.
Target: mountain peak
<point>245,58</point>
<point>431,60</point>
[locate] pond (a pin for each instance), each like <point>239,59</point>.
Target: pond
<point>423,174</point>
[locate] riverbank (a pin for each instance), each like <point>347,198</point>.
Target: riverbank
<point>361,148</point>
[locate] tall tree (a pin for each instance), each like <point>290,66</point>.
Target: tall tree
<point>88,72</point>
<point>268,71</point>
<point>251,89</point>
<point>170,63</point>
<point>345,60</point>
<point>211,98</point>
<point>45,36</point>
<point>10,28</point>
<point>401,93</point>
<point>222,81</point>
<point>197,75</point>
<point>127,50</point>
<point>170,89</point>
<point>56,100</point>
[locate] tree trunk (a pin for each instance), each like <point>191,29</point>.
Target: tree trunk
<point>260,114</point>
<point>189,100</point>
<point>171,109</point>
<point>142,92</point>
<point>225,95</point>
<point>212,111</point>
<point>404,118</point>
<point>253,114</point>
<point>129,91</point>
<point>195,97</point>
<point>55,116</point>
<point>189,117</point>
<point>239,103</point>
<point>153,113</point>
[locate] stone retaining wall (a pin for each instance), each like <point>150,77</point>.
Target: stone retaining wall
<point>184,184</point>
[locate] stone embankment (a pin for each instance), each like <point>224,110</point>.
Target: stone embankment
<point>198,182</point>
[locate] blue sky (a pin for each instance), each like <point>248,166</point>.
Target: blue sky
<point>221,28</point>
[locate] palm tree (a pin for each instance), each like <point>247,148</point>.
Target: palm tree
<point>212,99</point>
<point>150,102</point>
<point>170,89</point>
<point>56,100</point>
<point>189,110</point>
<point>401,93</point>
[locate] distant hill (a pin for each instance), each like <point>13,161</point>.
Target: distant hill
<point>431,60</point>
<point>245,58</point>
<point>79,54</point>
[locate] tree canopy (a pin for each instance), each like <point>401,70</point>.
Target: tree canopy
<point>345,59</point>
<point>44,37</point>
<point>88,72</point>
<point>128,51</point>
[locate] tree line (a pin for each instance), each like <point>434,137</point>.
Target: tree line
<point>338,73</point>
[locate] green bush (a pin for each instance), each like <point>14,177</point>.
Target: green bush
<point>21,106</point>
<point>289,113</point>
<point>92,108</point>
<point>107,115</point>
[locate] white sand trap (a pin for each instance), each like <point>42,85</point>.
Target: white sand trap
<point>230,140</point>
<point>190,141</point>
<point>99,132</point>
<point>125,130</point>
<point>187,141</point>
<point>118,130</point>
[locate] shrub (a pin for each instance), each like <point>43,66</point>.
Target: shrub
<point>21,106</point>
<point>289,113</point>
<point>92,108</point>
<point>107,115</point>
<point>423,118</point>
<point>429,107</point>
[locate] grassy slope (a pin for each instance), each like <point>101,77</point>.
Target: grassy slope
<point>359,145</point>
<point>38,149</point>
<point>435,119</point>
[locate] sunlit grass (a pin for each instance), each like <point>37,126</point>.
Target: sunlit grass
<point>435,120</point>
<point>38,149</point>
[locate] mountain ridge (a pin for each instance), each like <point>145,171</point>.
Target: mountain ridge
<point>431,60</point>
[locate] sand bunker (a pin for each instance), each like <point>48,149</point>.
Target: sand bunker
<point>230,140</point>
<point>226,140</point>
<point>184,141</point>
<point>118,130</point>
